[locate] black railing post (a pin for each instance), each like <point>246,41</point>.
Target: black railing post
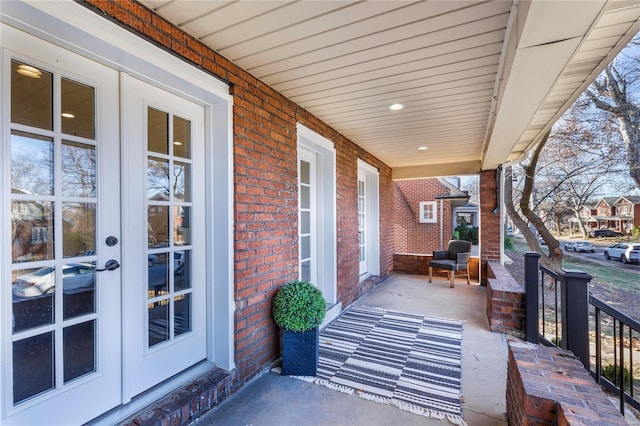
<point>531,311</point>
<point>574,302</point>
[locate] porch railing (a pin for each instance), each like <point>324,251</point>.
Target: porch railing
<point>560,311</point>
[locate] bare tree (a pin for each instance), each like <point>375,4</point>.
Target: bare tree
<point>615,92</point>
<point>578,163</point>
<point>524,215</point>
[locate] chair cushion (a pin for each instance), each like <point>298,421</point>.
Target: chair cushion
<point>444,264</point>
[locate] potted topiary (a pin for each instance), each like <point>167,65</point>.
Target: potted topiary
<point>298,309</point>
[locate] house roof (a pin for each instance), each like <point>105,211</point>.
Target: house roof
<point>633,199</point>
<point>608,200</point>
<point>481,82</point>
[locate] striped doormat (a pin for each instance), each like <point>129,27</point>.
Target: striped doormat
<point>410,361</point>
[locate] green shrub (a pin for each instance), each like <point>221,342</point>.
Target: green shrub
<point>508,243</point>
<point>298,306</point>
<point>473,234</point>
<point>610,372</point>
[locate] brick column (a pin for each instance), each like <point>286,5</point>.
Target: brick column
<point>489,221</point>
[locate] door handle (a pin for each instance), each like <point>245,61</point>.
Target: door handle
<point>111,265</point>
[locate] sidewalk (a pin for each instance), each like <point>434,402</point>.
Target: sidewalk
<point>273,400</point>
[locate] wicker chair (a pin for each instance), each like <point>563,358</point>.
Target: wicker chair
<point>455,258</point>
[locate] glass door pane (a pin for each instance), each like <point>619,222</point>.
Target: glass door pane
<point>169,205</point>
<point>53,231</point>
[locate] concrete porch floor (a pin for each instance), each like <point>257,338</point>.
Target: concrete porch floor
<point>274,400</point>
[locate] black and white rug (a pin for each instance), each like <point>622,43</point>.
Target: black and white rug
<point>410,361</point>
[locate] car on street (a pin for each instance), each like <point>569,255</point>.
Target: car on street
<point>625,252</point>
<point>581,246</point>
<point>596,233</point>
<point>75,277</point>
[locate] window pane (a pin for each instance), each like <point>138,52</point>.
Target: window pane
<point>181,270</point>
<point>78,289</point>
<point>33,298</point>
<point>158,224</point>
<point>182,176</point>
<point>305,222</point>
<point>305,197</point>
<point>181,137</point>
<point>79,350</point>
<point>31,164</point>
<point>157,179</point>
<point>158,322</point>
<point>157,131</point>
<point>305,173</point>
<point>31,96</point>
<point>305,270</point>
<point>79,226</point>
<point>158,274</point>
<point>181,225</point>
<point>305,247</point>
<point>182,317</point>
<point>33,366</point>
<point>77,109</point>
<point>32,230</point>
<point>78,170</point>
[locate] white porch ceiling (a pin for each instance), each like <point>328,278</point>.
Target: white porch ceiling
<point>482,81</point>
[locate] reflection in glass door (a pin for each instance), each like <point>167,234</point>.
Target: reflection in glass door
<point>52,346</point>
<point>168,222</point>
<point>362,221</point>
<point>53,238</point>
<point>307,234</point>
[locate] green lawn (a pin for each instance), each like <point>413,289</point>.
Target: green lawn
<point>602,273</point>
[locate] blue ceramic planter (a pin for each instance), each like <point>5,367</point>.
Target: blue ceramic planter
<point>300,352</point>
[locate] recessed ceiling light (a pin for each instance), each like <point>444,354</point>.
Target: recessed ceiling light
<point>422,148</point>
<point>396,107</point>
<point>68,115</point>
<point>29,71</point>
<point>177,143</point>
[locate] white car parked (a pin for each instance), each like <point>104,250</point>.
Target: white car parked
<point>625,252</point>
<point>75,276</point>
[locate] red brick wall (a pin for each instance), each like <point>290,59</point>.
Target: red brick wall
<point>505,301</point>
<point>489,221</point>
<point>265,184</point>
<point>411,235</point>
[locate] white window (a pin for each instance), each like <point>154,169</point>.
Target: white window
<point>428,212</point>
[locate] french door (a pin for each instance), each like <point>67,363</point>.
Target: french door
<point>103,200</point>
<point>163,221</point>
<point>61,325</point>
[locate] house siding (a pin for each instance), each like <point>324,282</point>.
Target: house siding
<point>265,189</point>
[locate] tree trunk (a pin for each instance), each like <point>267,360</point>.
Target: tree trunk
<point>554,259</point>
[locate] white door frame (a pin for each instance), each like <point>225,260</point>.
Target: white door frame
<point>372,217</point>
<point>324,152</point>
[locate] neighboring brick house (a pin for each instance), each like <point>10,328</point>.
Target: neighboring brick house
<point>617,213</point>
<point>424,214</point>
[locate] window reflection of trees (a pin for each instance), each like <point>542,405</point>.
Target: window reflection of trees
<point>78,170</point>
<point>157,179</point>
<point>31,164</point>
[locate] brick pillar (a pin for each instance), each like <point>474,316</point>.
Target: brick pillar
<point>489,221</point>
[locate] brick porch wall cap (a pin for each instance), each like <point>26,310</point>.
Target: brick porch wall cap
<point>553,375</point>
<point>501,279</point>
